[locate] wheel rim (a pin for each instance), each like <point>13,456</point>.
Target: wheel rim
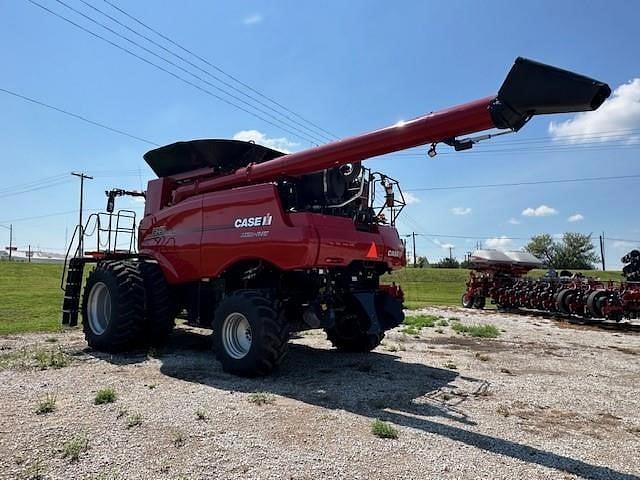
<point>99,308</point>
<point>236,335</point>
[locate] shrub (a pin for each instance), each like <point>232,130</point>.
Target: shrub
<point>383,429</point>
<point>105,395</point>
<point>482,331</point>
<point>261,398</point>
<point>47,404</point>
<point>74,447</point>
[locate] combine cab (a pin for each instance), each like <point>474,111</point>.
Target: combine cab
<point>257,244</point>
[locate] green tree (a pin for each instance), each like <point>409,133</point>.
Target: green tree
<point>422,262</point>
<point>574,251</point>
<point>542,247</point>
<point>448,263</point>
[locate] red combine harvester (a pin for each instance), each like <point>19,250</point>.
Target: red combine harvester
<point>257,244</point>
<point>501,277</point>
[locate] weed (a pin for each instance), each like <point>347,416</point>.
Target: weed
<point>178,439</point>
<point>134,420</point>
<point>446,396</point>
<point>383,429</point>
<point>391,348</point>
<point>201,414</point>
<point>74,447</point>
<point>151,386</point>
<point>439,330</point>
<point>51,340</point>
<point>421,321</point>
<point>122,412</point>
<point>482,357</point>
<point>47,404</point>
<point>454,319</point>
<point>506,370</point>
<point>450,365</point>
<point>261,398</point>
<point>105,395</point>
<point>443,322</point>
<point>36,471</point>
<point>51,359</point>
<point>503,410</point>
<point>482,331</point>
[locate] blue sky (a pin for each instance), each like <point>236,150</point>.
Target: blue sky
<point>349,67</point>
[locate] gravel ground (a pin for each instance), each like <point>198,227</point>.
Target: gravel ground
<point>544,400</point>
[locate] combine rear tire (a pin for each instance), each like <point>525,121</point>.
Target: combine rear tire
<point>113,306</point>
<point>349,334</point>
<point>249,335</point>
<point>160,311</point>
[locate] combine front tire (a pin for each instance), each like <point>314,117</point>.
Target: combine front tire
<point>249,335</point>
<point>113,306</point>
<point>160,311</point>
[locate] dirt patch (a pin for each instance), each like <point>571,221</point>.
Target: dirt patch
<point>537,402</point>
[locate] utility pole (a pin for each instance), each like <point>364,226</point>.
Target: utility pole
<point>602,250</point>
<point>29,254</point>
<point>415,262</point>
<point>450,253</point>
<point>82,177</point>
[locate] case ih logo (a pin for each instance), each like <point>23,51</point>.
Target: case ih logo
<point>253,221</point>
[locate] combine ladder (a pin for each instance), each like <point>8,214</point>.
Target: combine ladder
<point>72,288</point>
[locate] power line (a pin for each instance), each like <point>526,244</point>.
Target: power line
<point>77,116</point>
<point>34,189</point>
<point>308,136</point>
<point>159,67</point>
<point>518,184</point>
<point>217,68</point>
<point>205,71</point>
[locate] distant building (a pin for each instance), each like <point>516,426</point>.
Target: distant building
<point>37,256</point>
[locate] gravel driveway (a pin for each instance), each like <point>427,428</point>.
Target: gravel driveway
<point>543,400</point>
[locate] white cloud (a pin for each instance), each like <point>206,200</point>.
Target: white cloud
<point>620,112</point>
<point>576,218</point>
<point>461,210</point>
<point>541,211</point>
<point>624,245</point>
<point>445,246</point>
<point>499,243</point>
<point>252,19</point>
<point>514,221</point>
<point>410,198</point>
<point>282,144</point>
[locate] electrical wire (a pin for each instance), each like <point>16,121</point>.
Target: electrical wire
<point>518,184</point>
<point>78,117</point>
<point>205,71</point>
<point>217,68</point>
<point>163,69</point>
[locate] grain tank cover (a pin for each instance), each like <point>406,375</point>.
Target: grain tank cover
<point>224,156</point>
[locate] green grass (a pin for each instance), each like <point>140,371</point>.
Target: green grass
<point>414,324</point>
<point>47,404</point>
<point>31,299</point>
<point>105,395</point>
<point>481,331</point>
<point>74,447</point>
<point>261,398</point>
<point>383,429</point>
